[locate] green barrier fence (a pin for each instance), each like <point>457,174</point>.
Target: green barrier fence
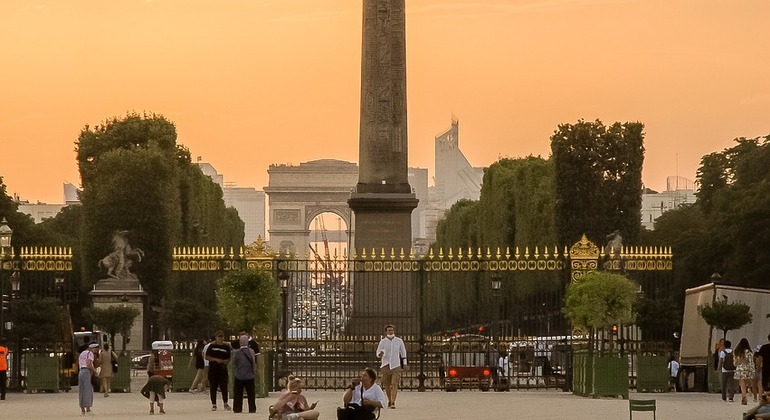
<point>43,372</point>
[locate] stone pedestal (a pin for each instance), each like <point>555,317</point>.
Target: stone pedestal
<point>123,292</point>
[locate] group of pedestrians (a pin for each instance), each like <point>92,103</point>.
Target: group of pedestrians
<point>742,368</point>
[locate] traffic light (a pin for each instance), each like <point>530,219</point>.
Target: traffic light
<point>615,329</point>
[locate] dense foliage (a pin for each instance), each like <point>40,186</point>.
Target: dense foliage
<point>598,180</point>
<point>248,299</point>
<point>515,208</point>
<point>113,320</point>
<point>600,300</point>
<point>727,230</point>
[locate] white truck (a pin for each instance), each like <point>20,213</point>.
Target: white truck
<point>698,338</point>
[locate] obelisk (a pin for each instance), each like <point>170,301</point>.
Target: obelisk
<point>382,201</point>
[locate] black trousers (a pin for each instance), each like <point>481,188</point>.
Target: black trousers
<point>3,383</point>
<point>218,378</point>
<point>238,387</point>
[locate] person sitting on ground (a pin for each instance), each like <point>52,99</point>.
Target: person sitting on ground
<point>365,393</point>
<point>155,390</point>
<point>293,405</point>
<point>760,411</point>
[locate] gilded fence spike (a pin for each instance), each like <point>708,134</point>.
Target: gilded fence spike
<point>459,253</point>
<point>232,252</point>
<point>450,255</point>
<point>537,252</point>
<point>470,252</point>
<point>545,252</point>
<point>382,253</point>
<point>441,253</point>
<point>555,251</point>
<point>489,253</point>
<point>526,251</point>
<point>363,253</point>
<point>478,253</point>
<point>517,254</point>
<point>497,253</point>
<point>430,253</point>
<point>507,253</point>
<point>566,251</point>
<point>392,254</point>
<point>411,253</point>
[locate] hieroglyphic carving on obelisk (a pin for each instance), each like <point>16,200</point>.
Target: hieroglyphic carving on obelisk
<point>383,136</point>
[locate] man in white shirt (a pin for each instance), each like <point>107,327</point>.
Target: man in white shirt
<point>392,353</point>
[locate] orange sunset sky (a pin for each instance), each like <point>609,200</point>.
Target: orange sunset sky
<point>251,83</point>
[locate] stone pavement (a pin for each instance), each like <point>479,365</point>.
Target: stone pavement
<point>412,405</point>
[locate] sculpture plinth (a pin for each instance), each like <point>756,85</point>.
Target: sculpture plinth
<point>125,292</point>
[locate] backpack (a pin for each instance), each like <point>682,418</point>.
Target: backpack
<point>729,362</point>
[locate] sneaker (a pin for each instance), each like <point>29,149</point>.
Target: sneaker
<point>227,407</point>
<point>213,408</point>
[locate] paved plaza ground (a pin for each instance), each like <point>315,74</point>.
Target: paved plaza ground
<point>411,405</point>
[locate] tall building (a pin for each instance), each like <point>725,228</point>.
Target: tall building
<point>679,191</point>
<point>249,202</point>
<point>455,179</point>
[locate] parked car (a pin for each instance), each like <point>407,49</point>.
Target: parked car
<point>140,362</point>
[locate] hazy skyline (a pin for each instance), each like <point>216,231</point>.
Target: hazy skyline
<point>252,83</point>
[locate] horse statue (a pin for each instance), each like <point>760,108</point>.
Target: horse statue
<point>118,262</point>
<point>614,245</point>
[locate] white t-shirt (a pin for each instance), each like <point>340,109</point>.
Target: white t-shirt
<point>673,368</point>
<point>373,393</point>
<point>206,347</point>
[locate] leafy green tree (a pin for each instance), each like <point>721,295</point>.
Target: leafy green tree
<point>249,298</point>
<point>113,320</point>
<point>598,179</point>
<point>600,300</point>
<point>186,318</point>
<point>459,227</point>
<point>38,319</point>
<point>658,318</point>
<point>726,316</point>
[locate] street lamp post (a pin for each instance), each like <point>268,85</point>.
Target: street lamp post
<point>283,277</point>
<point>496,285</point>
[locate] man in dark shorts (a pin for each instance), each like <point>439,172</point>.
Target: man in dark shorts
<point>764,354</point>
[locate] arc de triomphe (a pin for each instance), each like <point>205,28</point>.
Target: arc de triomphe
<point>297,194</point>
